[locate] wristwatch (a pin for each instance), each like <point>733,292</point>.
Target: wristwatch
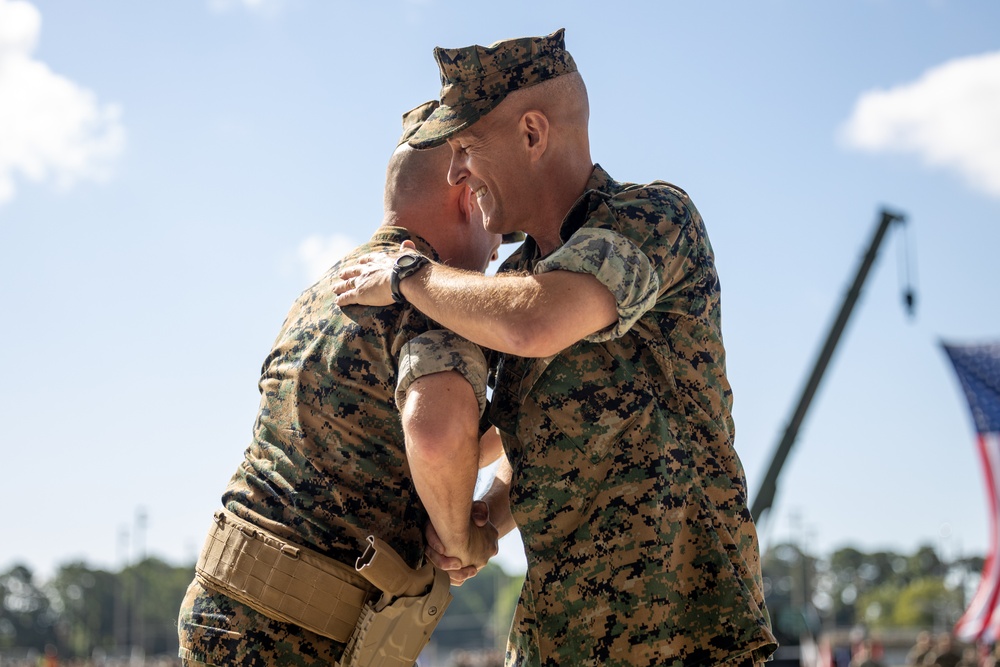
<point>406,265</point>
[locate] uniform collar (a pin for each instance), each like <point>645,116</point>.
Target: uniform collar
<point>392,235</point>
<point>600,188</point>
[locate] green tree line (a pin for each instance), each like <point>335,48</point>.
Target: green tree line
<point>879,590</point>
<point>83,611</point>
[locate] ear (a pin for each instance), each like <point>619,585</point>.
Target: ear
<point>535,130</point>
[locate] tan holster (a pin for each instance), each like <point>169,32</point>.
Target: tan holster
<point>393,630</point>
<point>295,584</point>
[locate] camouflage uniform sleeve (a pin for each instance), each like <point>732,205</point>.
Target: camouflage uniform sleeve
<point>441,350</point>
<point>620,266</point>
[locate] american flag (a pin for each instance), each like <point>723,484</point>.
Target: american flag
<point>978,369</point>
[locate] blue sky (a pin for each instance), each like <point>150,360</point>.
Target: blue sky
<point>172,175</point>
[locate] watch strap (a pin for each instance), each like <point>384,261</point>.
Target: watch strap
<point>405,266</point>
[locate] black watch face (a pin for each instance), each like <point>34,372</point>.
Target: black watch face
<point>406,261</point>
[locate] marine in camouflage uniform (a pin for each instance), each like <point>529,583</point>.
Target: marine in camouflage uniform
<point>629,496</point>
<point>327,465</point>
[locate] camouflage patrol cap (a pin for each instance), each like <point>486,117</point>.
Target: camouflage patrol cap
<point>414,118</point>
<point>475,79</point>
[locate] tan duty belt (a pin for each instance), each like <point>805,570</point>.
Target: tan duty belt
<point>282,580</point>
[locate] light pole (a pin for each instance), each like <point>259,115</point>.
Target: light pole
<point>121,604</point>
<point>138,658</point>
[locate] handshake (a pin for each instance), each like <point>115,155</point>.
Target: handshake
<point>464,560</point>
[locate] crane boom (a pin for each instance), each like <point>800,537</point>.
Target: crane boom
<point>765,495</point>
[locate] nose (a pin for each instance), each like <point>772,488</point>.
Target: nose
<point>457,172</point>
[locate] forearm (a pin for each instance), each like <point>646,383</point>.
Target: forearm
<point>479,308</point>
<point>497,498</point>
<point>440,421</point>
<point>527,315</point>
<point>490,448</point>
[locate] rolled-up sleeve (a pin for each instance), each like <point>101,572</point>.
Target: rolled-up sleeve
<point>620,266</point>
<point>441,350</point>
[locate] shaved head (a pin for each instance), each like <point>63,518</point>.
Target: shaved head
<point>563,99</point>
<point>416,178</point>
<point>419,197</point>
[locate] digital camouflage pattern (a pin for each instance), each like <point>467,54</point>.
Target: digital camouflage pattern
<point>475,79</point>
<point>629,496</point>
<point>441,349</point>
<point>327,464</point>
<point>413,119</point>
<point>618,264</point>
<point>217,630</point>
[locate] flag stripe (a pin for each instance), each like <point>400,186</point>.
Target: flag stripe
<point>978,371</point>
<point>976,619</point>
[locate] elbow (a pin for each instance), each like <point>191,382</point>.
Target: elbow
<point>437,435</point>
<point>438,449</point>
<point>439,444</point>
<point>425,452</point>
<point>533,338</point>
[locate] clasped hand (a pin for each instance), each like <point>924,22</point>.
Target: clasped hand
<point>465,563</point>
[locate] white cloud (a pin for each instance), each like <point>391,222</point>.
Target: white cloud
<point>950,117</point>
<point>317,254</point>
<point>50,128</point>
